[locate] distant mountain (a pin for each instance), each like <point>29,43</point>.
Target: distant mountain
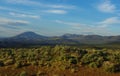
<point>31,38</point>
<point>70,36</point>
<point>92,39</point>
<point>23,39</point>
<point>87,39</point>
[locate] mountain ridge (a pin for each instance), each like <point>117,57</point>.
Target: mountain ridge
<point>31,38</point>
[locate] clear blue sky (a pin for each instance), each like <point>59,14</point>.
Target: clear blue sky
<point>57,17</point>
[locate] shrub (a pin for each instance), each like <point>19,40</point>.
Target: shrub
<point>88,58</point>
<point>34,63</point>
<point>94,65</point>
<point>41,73</point>
<point>9,62</point>
<point>73,70</point>
<point>111,67</point>
<point>23,73</point>
<point>1,63</point>
<point>73,60</point>
<point>18,64</point>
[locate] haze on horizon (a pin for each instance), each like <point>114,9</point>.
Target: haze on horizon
<point>57,17</point>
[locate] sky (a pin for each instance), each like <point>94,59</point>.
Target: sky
<point>58,17</point>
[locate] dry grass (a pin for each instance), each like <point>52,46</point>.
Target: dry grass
<point>32,71</point>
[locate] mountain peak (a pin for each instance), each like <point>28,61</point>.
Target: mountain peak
<point>29,35</point>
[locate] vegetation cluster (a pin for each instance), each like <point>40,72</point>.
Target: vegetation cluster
<point>59,58</point>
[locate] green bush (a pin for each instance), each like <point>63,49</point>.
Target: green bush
<point>111,67</point>
<point>88,58</point>
<point>73,60</point>
<point>94,65</point>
